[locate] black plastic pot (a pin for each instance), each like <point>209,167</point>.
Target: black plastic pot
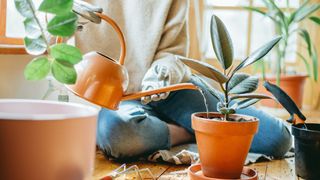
<point>307,150</point>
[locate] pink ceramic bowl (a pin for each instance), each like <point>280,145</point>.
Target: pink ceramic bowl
<point>46,140</point>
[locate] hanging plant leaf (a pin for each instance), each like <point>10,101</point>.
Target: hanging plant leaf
<point>205,69</point>
<point>306,37</point>
<point>57,7</point>
<point>37,69</point>
<point>63,25</point>
<point>31,27</point>
<point>257,54</point>
<point>63,72</point>
<point>315,19</point>
<point>242,83</point>
<point>306,63</point>
<point>314,57</point>
<point>305,11</point>
<point>24,7</point>
<point>221,42</point>
<point>35,46</point>
<point>66,53</point>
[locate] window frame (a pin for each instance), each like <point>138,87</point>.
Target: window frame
<point>249,26</point>
<point>8,45</point>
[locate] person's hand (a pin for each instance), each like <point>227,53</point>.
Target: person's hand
<point>155,78</point>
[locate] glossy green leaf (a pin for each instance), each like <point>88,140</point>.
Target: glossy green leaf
<point>66,53</point>
<point>244,103</point>
<point>225,110</point>
<point>35,46</point>
<point>24,7</point>
<point>315,19</point>
<point>211,90</point>
<point>306,37</point>
<point>205,69</point>
<point>221,42</point>
<point>314,58</point>
<point>32,29</point>
<point>305,11</point>
<point>63,25</point>
<point>258,54</point>
<point>242,83</point>
<point>58,7</point>
<point>37,69</point>
<point>63,72</point>
<point>306,63</point>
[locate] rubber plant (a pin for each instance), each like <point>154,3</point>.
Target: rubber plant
<point>233,84</point>
<point>57,58</point>
<point>224,137</point>
<point>286,23</point>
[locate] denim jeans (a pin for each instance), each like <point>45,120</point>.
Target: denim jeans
<point>136,129</point>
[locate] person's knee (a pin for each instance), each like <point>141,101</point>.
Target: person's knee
<point>116,137</point>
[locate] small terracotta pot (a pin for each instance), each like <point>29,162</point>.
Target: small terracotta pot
<point>223,145</point>
<point>46,140</point>
<point>293,85</point>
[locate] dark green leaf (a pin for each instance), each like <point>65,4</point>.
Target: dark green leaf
<point>221,42</point>
<point>63,25</point>
<point>251,96</point>
<point>225,110</point>
<point>35,46</point>
<point>37,69</point>
<point>56,6</point>
<point>242,83</point>
<point>64,73</point>
<point>314,58</point>
<point>305,11</point>
<point>66,53</point>
<point>24,7</point>
<point>205,69</point>
<point>244,103</point>
<point>258,54</point>
<point>32,29</point>
<point>306,37</point>
<point>315,19</point>
<point>305,63</point>
<point>211,90</point>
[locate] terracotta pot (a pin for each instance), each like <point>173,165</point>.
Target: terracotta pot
<point>46,140</point>
<point>223,145</point>
<point>293,85</point>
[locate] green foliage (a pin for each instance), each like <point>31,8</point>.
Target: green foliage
<point>60,58</point>
<point>63,25</point>
<point>58,7</point>
<point>286,22</point>
<point>221,42</point>
<point>37,69</point>
<point>236,87</point>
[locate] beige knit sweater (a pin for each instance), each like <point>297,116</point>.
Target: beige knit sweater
<point>154,30</point>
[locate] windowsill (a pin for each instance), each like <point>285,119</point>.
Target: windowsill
<point>12,49</point>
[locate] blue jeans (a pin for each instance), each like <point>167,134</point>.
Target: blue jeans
<point>137,129</point>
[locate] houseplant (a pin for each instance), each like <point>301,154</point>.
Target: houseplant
<point>57,58</point>
<point>287,23</point>
<point>224,138</point>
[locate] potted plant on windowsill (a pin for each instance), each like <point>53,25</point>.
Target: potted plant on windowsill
<point>224,138</point>
<point>287,23</point>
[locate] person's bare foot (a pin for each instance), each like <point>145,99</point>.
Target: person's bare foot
<point>179,135</point>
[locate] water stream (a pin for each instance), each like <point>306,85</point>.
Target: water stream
<point>205,101</point>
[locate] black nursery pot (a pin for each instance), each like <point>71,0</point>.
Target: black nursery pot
<point>307,150</point>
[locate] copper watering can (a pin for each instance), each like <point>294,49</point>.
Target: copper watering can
<point>103,81</point>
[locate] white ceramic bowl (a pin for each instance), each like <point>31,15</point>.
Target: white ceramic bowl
<point>46,140</point>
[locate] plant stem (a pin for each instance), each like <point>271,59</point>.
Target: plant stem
<point>39,24</point>
<point>226,92</point>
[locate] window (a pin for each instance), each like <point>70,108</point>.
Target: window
<point>11,28</point>
<point>248,30</point>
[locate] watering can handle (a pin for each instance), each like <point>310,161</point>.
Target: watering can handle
<point>120,35</point>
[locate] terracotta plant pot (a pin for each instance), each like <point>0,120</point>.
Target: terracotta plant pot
<point>46,140</point>
<point>293,85</point>
<point>223,145</point>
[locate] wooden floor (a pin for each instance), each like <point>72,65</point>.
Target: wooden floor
<point>274,170</point>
